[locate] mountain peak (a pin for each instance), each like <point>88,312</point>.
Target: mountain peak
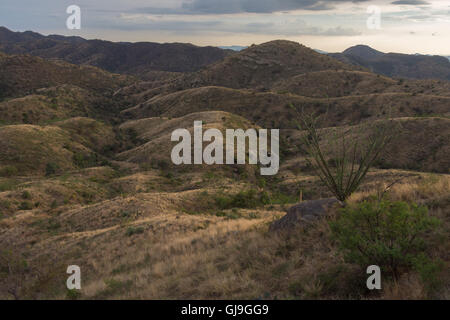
<point>363,51</point>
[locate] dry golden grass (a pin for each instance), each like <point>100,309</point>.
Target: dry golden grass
<point>157,250</point>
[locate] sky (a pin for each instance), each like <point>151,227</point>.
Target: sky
<point>407,26</point>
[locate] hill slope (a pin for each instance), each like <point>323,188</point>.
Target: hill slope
<point>130,58</point>
<point>396,64</point>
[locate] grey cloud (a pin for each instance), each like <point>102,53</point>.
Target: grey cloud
<point>244,6</point>
<point>278,28</point>
<point>421,17</point>
<point>340,31</point>
<point>411,2</point>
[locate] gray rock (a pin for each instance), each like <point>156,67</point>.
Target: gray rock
<point>307,211</point>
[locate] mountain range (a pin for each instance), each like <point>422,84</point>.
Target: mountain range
<point>120,57</point>
<point>396,64</point>
<point>147,60</point>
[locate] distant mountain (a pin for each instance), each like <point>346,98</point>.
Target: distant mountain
<point>260,66</point>
<point>395,64</point>
<point>234,48</point>
<point>320,51</point>
<point>363,52</point>
<point>124,57</point>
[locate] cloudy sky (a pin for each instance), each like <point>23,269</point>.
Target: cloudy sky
<point>409,26</point>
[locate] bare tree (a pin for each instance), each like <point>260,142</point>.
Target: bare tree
<point>342,157</point>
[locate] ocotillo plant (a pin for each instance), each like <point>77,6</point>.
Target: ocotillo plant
<point>343,158</point>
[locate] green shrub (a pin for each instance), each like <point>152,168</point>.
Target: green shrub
<point>8,171</point>
<point>132,231</point>
<point>7,184</point>
<point>243,199</point>
<point>26,205</point>
<point>54,204</point>
<point>384,233</point>
<point>5,204</point>
<point>51,168</point>
<point>251,199</point>
<point>73,294</point>
<point>26,195</point>
<point>85,161</point>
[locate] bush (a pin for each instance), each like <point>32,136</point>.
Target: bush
<point>85,161</point>
<point>384,233</point>
<point>26,195</point>
<point>73,294</point>
<point>8,171</point>
<point>244,199</point>
<point>132,231</point>
<point>51,168</point>
<point>26,205</point>
<point>7,184</point>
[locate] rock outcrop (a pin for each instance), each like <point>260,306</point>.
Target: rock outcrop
<point>307,211</point>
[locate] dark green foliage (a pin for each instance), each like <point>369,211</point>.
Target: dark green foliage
<point>384,233</point>
<point>26,205</point>
<point>73,294</point>
<point>26,195</point>
<point>132,231</point>
<point>8,171</point>
<point>14,271</point>
<point>243,199</point>
<point>51,168</point>
<point>85,161</point>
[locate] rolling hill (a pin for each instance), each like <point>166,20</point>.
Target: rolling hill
<point>130,58</point>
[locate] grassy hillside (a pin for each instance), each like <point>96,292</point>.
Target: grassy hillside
<point>22,74</point>
<point>86,177</point>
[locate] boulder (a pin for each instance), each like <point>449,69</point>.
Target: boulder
<point>307,211</point>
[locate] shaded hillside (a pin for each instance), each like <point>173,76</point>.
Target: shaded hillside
<point>23,74</point>
<point>395,64</point>
<point>130,58</point>
<point>51,104</point>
